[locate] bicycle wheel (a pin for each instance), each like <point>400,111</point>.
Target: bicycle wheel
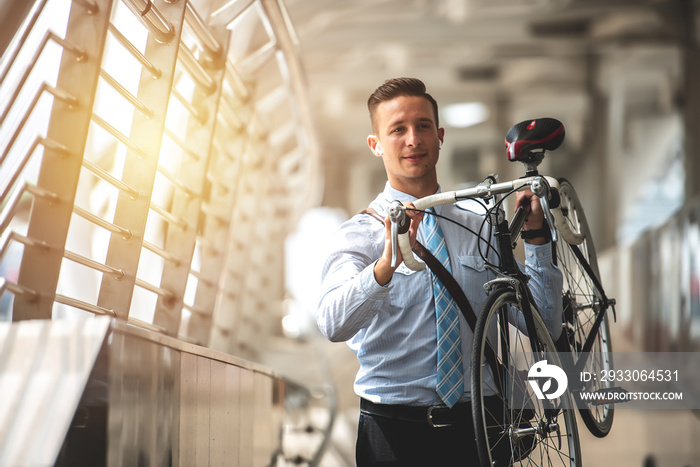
<point>582,303</point>
<point>512,426</point>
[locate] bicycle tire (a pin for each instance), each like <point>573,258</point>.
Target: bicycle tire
<point>580,294</point>
<point>511,426</point>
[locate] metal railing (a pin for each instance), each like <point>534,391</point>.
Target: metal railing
<point>145,146</point>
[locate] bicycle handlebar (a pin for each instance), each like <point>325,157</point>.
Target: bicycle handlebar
<point>539,185</point>
<point>399,229</point>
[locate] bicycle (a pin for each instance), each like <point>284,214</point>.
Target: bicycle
<point>510,336</point>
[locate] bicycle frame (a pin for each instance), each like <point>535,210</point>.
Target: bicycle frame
<point>509,274</point>
<point>600,313</point>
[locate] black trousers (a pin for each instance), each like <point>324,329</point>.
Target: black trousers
<point>397,436</point>
<point>384,441</point>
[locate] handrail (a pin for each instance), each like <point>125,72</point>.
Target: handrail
<point>257,59</point>
<point>236,81</point>
<point>126,43</point>
<point>202,278</point>
<point>229,115</point>
<point>13,203</point>
<point>87,215</point>
<point>19,167</point>
<point>76,258</point>
<point>153,19</point>
<point>135,101</point>
<point>140,152</point>
<point>16,289</point>
<point>209,212</point>
<point>203,34</point>
<point>20,39</point>
<point>177,182</point>
<point>168,217</point>
<point>75,303</point>
<point>196,70</point>
<point>200,115</point>
<point>45,87</point>
<point>288,44</point>
<point>181,144</point>
<point>165,294</point>
<point>106,176</point>
<point>50,35</point>
<point>162,253</point>
<point>230,11</point>
<point>9,236</point>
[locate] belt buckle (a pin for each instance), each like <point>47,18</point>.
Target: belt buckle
<point>430,417</point>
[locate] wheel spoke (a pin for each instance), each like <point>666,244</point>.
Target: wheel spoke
<point>584,302</point>
<point>515,428</point>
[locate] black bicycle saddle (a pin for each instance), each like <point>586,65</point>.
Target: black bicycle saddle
<point>527,141</point>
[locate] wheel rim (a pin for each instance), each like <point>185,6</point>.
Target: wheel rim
<point>523,430</point>
<point>581,304</point>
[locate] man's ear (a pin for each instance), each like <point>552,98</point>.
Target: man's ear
<point>374,145</point>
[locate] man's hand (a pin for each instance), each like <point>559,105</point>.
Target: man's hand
<point>535,218</point>
<point>382,268</point>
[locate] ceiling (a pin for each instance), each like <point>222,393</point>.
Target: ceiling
<point>522,58</point>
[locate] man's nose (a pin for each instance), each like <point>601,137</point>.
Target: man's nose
<point>412,138</point>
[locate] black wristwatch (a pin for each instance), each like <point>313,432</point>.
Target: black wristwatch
<point>537,233</point>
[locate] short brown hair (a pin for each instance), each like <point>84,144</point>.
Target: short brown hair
<point>395,87</point>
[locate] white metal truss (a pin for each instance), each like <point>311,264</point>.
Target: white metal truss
<point>153,156</point>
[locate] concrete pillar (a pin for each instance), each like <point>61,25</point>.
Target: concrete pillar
<point>614,150</point>
<point>691,97</point>
<point>601,213</point>
<point>503,121</point>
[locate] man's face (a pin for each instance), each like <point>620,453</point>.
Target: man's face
<point>410,142</point>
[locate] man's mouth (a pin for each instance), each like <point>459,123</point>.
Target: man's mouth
<point>415,157</point>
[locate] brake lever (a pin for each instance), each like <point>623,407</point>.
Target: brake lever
<point>397,216</point>
<point>540,188</point>
<point>394,243</point>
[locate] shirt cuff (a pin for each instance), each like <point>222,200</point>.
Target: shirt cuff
<point>369,283</point>
<point>541,254</point>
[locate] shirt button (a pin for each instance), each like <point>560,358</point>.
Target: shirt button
<point>530,254</point>
<point>539,255</point>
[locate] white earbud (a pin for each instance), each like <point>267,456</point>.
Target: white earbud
<point>439,144</point>
<point>378,150</point>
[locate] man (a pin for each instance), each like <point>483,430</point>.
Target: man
<point>388,315</point>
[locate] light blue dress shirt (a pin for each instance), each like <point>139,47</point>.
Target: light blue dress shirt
<point>391,329</point>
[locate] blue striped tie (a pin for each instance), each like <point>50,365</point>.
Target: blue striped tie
<point>450,380</point>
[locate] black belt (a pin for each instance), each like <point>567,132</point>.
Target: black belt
<point>436,416</point>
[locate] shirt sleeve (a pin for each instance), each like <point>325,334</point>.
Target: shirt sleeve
<point>350,295</point>
<point>546,284</point>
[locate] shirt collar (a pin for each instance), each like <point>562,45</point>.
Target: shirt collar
<point>391,194</point>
